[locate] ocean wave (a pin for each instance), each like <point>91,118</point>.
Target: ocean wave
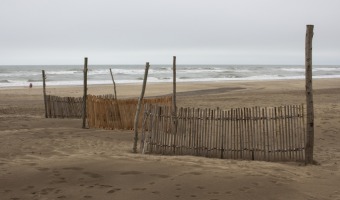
<point>185,77</point>
<point>33,80</point>
<point>77,69</point>
<point>165,68</point>
<point>4,81</point>
<point>328,69</point>
<point>61,72</point>
<point>293,69</point>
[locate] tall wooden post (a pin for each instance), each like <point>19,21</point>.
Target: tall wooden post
<point>139,107</point>
<point>114,85</point>
<point>174,106</point>
<point>309,97</point>
<point>174,86</point>
<point>85,93</point>
<point>44,91</point>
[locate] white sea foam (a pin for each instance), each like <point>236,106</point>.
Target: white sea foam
<point>73,75</point>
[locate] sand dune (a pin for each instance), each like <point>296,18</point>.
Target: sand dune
<point>56,159</point>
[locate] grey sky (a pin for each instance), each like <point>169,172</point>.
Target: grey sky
<point>196,31</point>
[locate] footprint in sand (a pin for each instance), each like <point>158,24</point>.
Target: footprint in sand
<point>46,191</point>
<point>140,189</point>
<point>255,184</point>
<point>57,181</point>
<point>28,188</point>
<point>160,175</point>
<point>244,189</point>
<point>131,173</point>
<point>42,169</point>
<point>195,173</point>
<point>92,175</point>
<point>73,168</point>
<point>57,191</point>
<point>213,193</point>
<point>103,186</point>
<point>56,173</point>
<point>277,183</point>
<point>31,164</point>
<point>114,190</point>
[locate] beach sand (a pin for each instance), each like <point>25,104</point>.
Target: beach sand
<point>57,159</point>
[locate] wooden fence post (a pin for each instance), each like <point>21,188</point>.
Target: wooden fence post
<point>139,107</point>
<point>309,97</point>
<point>44,91</point>
<point>174,106</point>
<point>85,92</point>
<point>114,85</point>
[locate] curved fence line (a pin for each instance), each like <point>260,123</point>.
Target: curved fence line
<point>271,134</point>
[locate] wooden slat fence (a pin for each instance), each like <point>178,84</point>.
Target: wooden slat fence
<point>271,134</point>
<point>117,114</point>
<point>63,107</point>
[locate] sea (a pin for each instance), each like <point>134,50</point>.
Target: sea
<point>64,75</point>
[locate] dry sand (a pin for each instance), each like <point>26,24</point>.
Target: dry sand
<point>56,159</point>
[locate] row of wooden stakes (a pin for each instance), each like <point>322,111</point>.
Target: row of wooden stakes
<point>271,134</point>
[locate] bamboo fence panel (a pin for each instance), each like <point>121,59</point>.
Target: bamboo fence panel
<point>269,134</point>
<point>109,113</point>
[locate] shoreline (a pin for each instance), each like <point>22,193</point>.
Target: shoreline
<point>165,83</point>
<point>178,83</point>
<point>160,89</point>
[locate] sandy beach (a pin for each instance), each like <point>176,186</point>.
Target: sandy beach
<point>56,159</point>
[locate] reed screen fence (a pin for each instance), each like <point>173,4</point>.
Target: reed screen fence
<point>109,113</point>
<point>271,134</point>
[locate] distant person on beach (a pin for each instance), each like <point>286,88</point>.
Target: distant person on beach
<point>31,85</point>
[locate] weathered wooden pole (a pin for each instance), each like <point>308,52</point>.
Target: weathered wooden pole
<point>174,86</point>
<point>174,106</point>
<point>114,85</point>
<point>139,107</point>
<point>85,93</point>
<point>309,97</point>
<point>44,91</point>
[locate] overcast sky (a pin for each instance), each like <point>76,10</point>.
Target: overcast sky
<point>196,31</point>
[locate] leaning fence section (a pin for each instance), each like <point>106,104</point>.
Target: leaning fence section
<point>63,107</point>
<point>271,134</point>
<point>110,113</point>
